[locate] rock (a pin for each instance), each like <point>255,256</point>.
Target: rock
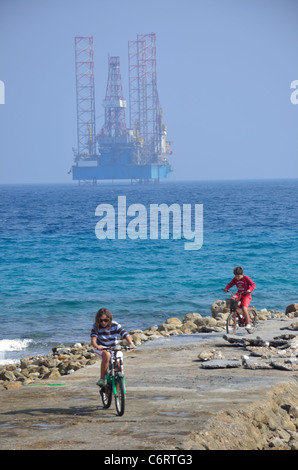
<point>62,357</point>
<point>189,327</point>
<point>262,316</point>
<point>150,331</point>
<point>170,326</point>
<point>33,375</point>
<point>221,317</point>
<point>278,443</point>
<point>283,364</point>
<point>208,355</point>
<point>221,364</point>
<point>53,374</point>
<point>7,375</point>
<point>139,338</point>
<point>293,442</point>
<point>293,411</point>
<point>12,385</point>
<point>173,321</point>
<point>50,363</point>
<point>61,350</point>
<point>254,365</point>
<point>11,367</point>
<point>19,376</point>
<point>208,329</point>
<point>205,355</point>
<point>291,308</point>
<point>43,371</point>
<point>162,328</point>
<point>174,332</point>
<point>190,317</point>
<point>293,326</point>
<point>205,321</point>
<point>154,336</point>
<point>218,306</point>
<point>25,362</point>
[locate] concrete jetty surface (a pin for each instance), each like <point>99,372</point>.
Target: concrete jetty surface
<point>172,402</point>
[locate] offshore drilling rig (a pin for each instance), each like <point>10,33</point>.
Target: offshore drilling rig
<point>138,153</point>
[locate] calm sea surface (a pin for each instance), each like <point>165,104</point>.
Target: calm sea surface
<point>55,273</point>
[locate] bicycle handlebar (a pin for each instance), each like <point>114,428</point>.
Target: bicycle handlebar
<point>117,348</point>
<point>239,293</point>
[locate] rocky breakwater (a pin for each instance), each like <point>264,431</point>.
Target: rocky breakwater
<point>62,361</point>
<point>191,323</point>
<point>196,323</point>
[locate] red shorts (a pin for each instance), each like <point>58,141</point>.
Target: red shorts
<point>245,299</point>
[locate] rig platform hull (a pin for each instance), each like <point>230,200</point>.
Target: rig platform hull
<point>123,172</point>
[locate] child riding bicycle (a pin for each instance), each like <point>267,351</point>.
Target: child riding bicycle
<point>104,334</point>
<point>244,286</point>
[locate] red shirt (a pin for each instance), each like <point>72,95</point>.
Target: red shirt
<point>243,284</point>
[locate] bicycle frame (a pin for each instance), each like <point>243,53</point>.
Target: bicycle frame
<point>115,381</point>
<point>116,362</point>
<point>238,311</point>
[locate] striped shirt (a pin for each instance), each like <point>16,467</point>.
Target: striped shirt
<point>108,337</point>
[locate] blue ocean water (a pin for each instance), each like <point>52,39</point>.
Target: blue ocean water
<point>55,273</point>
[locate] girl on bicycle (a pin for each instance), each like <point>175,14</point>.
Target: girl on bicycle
<point>244,286</point>
<point>104,334</point>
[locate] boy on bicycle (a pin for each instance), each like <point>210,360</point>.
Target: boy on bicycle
<point>244,286</point>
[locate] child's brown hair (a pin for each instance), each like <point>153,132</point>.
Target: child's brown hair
<point>238,270</point>
<point>99,314</point>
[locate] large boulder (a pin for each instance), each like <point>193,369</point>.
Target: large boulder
<point>205,321</point>
<point>191,317</point>
<point>219,306</point>
<point>291,308</point>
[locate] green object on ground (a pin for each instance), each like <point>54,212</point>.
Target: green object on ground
<point>52,385</point>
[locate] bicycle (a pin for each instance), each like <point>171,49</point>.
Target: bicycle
<point>115,381</point>
<point>236,318</point>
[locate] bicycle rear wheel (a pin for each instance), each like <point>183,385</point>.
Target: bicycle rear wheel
<point>106,395</point>
<point>120,396</point>
<point>232,323</point>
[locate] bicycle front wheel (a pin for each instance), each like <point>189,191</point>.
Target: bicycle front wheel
<point>106,395</point>
<point>120,396</point>
<point>253,319</point>
<point>232,323</point>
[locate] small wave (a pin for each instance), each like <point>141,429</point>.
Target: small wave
<point>14,344</point>
<point>7,362</point>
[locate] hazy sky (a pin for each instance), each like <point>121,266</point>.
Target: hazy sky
<point>224,70</point>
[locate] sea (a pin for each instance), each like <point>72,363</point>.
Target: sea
<point>55,272</point>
